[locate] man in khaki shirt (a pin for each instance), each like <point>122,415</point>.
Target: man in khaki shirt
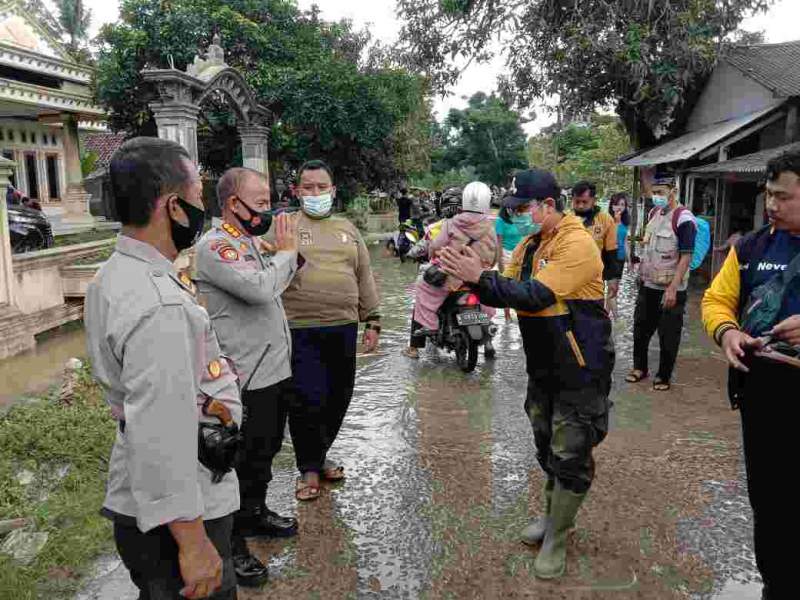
<point>153,349</point>
<point>328,297</point>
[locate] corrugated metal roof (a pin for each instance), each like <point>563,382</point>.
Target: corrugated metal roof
<point>775,66</point>
<point>750,163</point>
<point>694,142</point>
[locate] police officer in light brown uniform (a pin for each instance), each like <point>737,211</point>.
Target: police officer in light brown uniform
<point>153,349</point>
<point>241,286</point>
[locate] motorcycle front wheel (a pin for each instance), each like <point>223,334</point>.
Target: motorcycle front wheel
<point>466,352</point>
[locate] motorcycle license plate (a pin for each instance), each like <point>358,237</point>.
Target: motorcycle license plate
<point>472,318</point>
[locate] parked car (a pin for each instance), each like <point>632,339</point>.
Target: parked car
<point>30,230</point>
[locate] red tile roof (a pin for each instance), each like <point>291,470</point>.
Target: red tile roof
<point>103,145</point>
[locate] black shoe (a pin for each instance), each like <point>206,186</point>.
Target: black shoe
<point>250,572</point>
<point>261,521</point>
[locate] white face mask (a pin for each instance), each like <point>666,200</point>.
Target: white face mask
<point>318,206</point>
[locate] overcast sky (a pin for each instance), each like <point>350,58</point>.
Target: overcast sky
<point>779,25</point>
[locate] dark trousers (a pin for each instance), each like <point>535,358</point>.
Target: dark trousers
<point>416,341</point>
<point>266,411</point>
<point>567,406</point>
<point>323,377</point>
<point>152,559</point>
<point>567,425</point>
<point>649,317</point>
<point>770,414</point>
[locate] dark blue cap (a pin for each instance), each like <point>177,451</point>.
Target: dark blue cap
<point>532,184</point>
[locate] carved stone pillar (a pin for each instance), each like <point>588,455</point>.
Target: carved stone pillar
<point>6,274</point>
<point>177,121</point>
<point>255,141</point>
<point>76,198</point>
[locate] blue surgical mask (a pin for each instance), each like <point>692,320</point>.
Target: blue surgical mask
<point>659,201</point>
<point>536,228</point>
<point>318,207</point>
<point>523,219</point>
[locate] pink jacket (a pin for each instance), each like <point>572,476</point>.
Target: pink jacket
<point>473,229</point>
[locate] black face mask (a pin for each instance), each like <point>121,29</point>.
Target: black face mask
<point>185,236</point>
<point>262,227</point>
<point>585,212</point>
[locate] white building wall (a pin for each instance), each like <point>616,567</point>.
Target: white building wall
<point>728,94</point>
<point>21,138</point>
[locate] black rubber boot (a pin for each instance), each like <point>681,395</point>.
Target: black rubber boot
<point>536,529</point>
<point>259,521</point>
<point>250,572</point>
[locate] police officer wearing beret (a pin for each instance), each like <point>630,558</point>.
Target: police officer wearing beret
<point>171,494</point>
<point>241,287</point>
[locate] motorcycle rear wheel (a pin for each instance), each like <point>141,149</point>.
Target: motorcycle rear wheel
<point>466,353</point>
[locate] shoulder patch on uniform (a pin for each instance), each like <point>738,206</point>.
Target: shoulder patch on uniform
<point>228,254</point>
<point>214,369</point>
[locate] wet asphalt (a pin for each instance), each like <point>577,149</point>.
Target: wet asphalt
<point>440,468</point>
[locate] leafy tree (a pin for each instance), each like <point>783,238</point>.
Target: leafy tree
<point>585,151</point>
<point>646,58</point>
<point>326,101</point>
<point>75,19</point>
<point>487,136</point>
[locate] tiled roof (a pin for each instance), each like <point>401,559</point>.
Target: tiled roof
<point>103,145</point>
<point>775,66</point>
<point>750,163</point>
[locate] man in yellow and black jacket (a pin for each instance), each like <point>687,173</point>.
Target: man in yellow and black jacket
<point>763,389</point>
<point>555,283</point>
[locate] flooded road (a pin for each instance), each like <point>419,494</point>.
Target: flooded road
<point>35,371</point>
<point>441,478</point>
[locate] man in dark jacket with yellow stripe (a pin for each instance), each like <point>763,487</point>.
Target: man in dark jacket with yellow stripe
<point>764,389</point>
<point>555,283</point>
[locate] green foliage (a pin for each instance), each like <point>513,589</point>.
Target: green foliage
<point>88,162</point>
<point>361,116</point>
<point>75,19</point>
<point>443,180</point>
<point>43,436</point>
<point>486,136</point>
<point>648,59</point>
<point>585,151</point>
<point>358,212</point>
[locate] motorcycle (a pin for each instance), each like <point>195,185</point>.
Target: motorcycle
<point>463,329</point>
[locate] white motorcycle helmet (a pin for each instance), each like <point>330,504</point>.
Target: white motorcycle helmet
<point>476,198</point>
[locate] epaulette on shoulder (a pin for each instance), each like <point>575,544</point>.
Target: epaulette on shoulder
<point>169,291</point>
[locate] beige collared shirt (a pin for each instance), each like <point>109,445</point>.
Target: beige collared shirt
<point>153,349</point>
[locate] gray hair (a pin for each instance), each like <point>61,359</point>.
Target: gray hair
<point>232,181</point>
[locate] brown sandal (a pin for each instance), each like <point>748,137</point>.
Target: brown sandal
<point>636,376</point>
<point>305,491</point>
<point>333,473</point>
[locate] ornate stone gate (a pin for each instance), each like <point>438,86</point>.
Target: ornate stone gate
<point>181,95</point>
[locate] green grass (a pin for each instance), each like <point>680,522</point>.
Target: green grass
<point>84,237</point>
<point>42,436</point>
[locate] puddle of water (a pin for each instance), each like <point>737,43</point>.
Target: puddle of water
<point>734,590</point>
<point>38,369</point>
<point>420,434</point>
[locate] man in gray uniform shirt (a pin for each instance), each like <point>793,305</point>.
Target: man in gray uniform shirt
<point>241,289</point>
<point>153,349</point>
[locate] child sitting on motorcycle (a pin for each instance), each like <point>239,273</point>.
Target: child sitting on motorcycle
<point>473,227</point>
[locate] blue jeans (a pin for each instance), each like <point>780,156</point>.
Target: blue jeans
<point>323,377</point>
